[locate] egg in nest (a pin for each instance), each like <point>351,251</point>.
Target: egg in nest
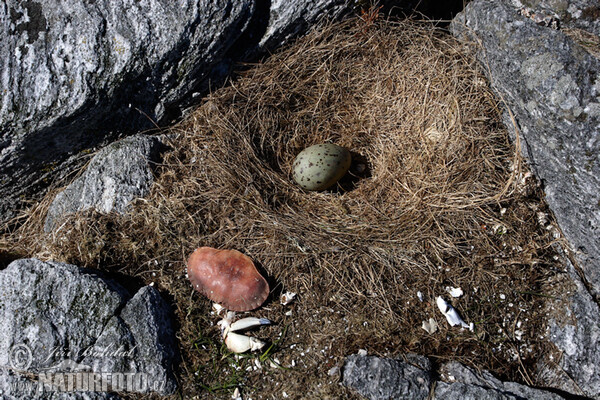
<point>320,166</point>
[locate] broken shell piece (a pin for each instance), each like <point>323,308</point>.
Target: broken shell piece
<point>242,343</point>
<point>451,314</point>
<point>219,309</point>
<point>236,394</point>
<point>499,229</point>
<point>249,322</point>
<point>430,326</point>
<point>225,323</point>
<point>454,292</point>
<point>362,352</point>
<point>227,277</point>
<point>287,297</point>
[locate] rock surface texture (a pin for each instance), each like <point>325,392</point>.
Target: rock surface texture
<point>58,318</point>
<point>552,85</point>
<point>461,383</point>
<point>115,176</point>
<point>381,379</point>
<point>288,19</point>
<point>574,327</point>
<point>74,74</point>
<point>571,14</point>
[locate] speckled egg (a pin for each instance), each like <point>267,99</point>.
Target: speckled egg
<point>320,166</point>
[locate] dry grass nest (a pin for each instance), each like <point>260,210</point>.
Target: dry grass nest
<point>436,197</point>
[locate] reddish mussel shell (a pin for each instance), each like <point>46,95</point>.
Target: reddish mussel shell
<point>227,277</point>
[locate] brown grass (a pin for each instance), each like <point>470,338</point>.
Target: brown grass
<point>441,186</point>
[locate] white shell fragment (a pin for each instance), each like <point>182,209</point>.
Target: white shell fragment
<point>236,394</point>
<point>420,296</point>
<point>454,292</point>
<point>219,309</point>
<point>499,229</point>
<point>241,343</point>
<point>451,314</point>
<point>246,323</point>
<point>225,323</point>
<point>222,311</point>
<point>430,326</point>
<point>287,297</point>
<point>235,342</point>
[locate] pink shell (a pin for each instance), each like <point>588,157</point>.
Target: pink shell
<point>227,277</point>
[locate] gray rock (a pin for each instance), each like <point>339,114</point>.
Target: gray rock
<point>553,87</point>
<point>574,327</point>
<point>462,391</point>
<point>463,383</point>
<point>75,74</point>
<point>57,319</point>
<point>573,14</point>
<point>380,378</point>
<point>290,18</point>
<point>16,387</point>
<point>118,174</point>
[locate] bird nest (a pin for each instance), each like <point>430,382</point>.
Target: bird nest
<point>436,198</point>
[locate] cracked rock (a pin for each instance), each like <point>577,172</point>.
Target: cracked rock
<point>77,74</point>
<point>574,327</point>
<point>552,85</point>
<point>380,378</point>
<point>118,174</point>
<point>57,319</point>
<point>463,383</point>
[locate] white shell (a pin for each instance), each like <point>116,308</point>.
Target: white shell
<point>454,292</point>
<point>241,343</point>
<point>499,229</point>
<point>219,309</point>
<point>248,322</point>
<point>287,298</point>
<point>430,326</point>
<point>451,314</point>
<point>235,342</point>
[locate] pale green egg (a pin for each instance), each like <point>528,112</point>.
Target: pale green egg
<point>321,166</point>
